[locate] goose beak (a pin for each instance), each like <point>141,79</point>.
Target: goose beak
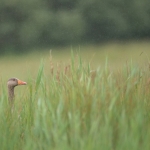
<point>21,82</point>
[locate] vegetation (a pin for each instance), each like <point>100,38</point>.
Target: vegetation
<point>74,106</point>
<point>31,24</point>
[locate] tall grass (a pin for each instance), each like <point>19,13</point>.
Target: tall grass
<point>75,107</point>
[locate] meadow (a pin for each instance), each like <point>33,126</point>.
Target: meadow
<point>78,98</point>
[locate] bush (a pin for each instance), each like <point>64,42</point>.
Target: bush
<point>30,24</point>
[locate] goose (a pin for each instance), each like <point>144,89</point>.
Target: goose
<point>11,83</point>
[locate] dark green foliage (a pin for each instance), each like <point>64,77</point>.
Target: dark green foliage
<point>114,19</point>
<point>41,23</point>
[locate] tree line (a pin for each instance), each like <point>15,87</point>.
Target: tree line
<point>28,24</point>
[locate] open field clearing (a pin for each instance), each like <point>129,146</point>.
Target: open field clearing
<point>118,55</point>
<point>96,99</point>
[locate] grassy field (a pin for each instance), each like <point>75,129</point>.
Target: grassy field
<point>97,98</point>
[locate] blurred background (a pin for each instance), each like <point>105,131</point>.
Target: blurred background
<point>99,28</point>
<point>34,24</point>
